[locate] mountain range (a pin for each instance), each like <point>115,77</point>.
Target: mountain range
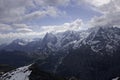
<point>93,53</point>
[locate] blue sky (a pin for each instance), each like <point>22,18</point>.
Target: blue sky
<point>33,18</point>
<point>72,12</point>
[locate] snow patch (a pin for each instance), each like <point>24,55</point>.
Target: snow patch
<point>17,74</point>
<point>22,44</point>
<point>117,78</point>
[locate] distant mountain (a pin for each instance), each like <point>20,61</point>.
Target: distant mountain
<point>21,45</point>
<point>49,43</point>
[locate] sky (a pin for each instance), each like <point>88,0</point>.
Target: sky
<point>34,18</point>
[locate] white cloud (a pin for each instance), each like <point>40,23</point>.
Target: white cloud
<point>111,14</point>
<point>75,25</point>
<point>111,7</point>
<point>24,30</point>
<point>95,3</point>
<point>49,11</point>
<point>52,2</point>
<point>15,26</point>
<point>16,10</point>
<point>13,10</point>
<point>106,20</point>
<point>98,3</point>
<point>21,28</point>
<point>5,27</point>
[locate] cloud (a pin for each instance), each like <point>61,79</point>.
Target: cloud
<point>15,26</point>
<point>112,7</point>
<point>107,20</point>
<point>75,25</point>
<point>98,3</point>
<point>21,28</point>
<point>52,2</point>
<point>95,3</point>
<point>24,30</point>
<point>111,14</point>
<point>12,11</point>
<point>49,11</point>
<point>5,27</point>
